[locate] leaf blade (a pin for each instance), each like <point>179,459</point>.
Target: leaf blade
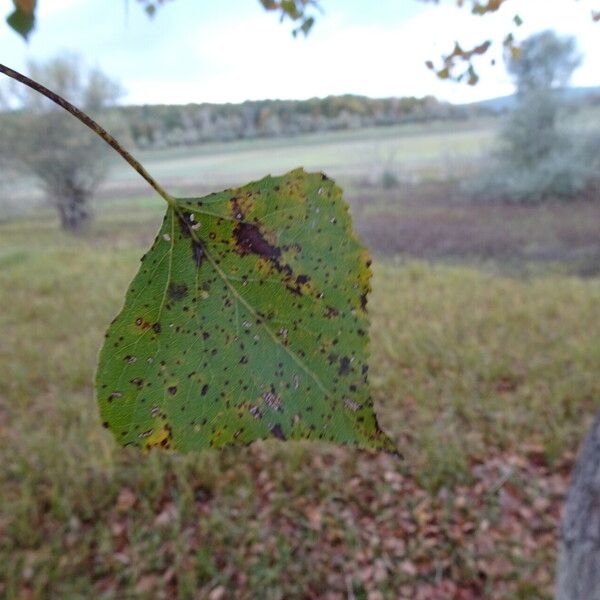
<point>246,321</point>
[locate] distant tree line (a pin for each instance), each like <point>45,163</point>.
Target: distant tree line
<point>159,126</point>
<point>537,158</point>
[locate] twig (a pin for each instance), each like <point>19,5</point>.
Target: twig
<point>95,127</point>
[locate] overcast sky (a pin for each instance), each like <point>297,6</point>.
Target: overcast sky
<point>230,51</point>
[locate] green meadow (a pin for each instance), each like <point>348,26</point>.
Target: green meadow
<point>484,370</point>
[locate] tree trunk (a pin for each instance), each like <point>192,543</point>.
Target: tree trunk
<point>578,574</point>
<point>74,211</point>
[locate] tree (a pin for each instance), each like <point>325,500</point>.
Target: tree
<point>42,140</point>
<point>545,61</point>
<point>538,159</point>
<point>578,572</point>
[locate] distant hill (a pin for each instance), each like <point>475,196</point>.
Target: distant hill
<point>571,94</point>
<point>163,126</point>
<point>155,126</point>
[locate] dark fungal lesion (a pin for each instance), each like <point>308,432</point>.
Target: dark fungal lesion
<point>177,291</point>
<point>256,412</point>
<point>277,432</point>
<point>138,382</point>
<point>185,220</point>
<point>187,225</point>
<point>142,323</point>
<point>363,301</point>
<point>198,252</point>
<point>345,367</point>
<point>331,312</point>
<point>250,240</point>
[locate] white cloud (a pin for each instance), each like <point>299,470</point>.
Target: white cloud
<point>257,58</point>
<point>52,7</point>
<point>195,52</point>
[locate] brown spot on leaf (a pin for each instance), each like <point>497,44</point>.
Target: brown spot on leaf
<point>236,209</point>
<point>331,312</point>
<point>185,224</point>
<point>363,301</point>
<point>177,291</point>
<point>142,323</point>
<point>198,253</point>
<point>277,432</point>
<point>250,240</point>
<point>344,366</point>
<point>256,412</point>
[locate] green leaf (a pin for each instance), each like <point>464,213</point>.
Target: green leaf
<point>247,320</point>
<point>305,28</point>
<point>22,21</point>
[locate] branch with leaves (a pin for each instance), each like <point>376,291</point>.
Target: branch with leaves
<point>247,319</point>
<point>459,64</point>
<point>22,18</point>
<point>301,12</point>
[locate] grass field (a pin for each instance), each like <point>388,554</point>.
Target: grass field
<point>487,383</point>
<point>346,154</point>
<point>484,368</point>
<point>430,150</point>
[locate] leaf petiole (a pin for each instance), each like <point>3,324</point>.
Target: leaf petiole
<point>93,125</point>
